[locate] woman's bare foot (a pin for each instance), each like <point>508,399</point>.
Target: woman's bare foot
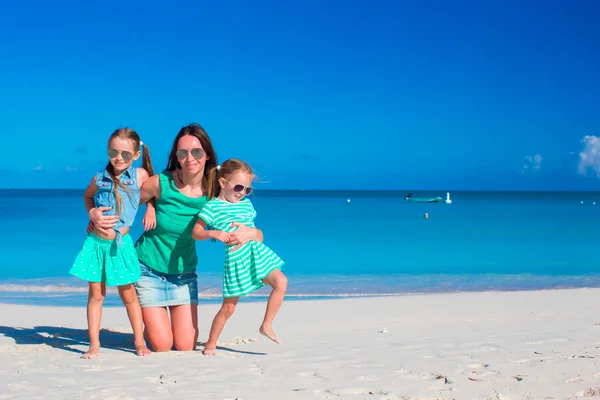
<point>209,351</point>
<point>92,352</point>
<point>141,350</point>
<point>268,332</point>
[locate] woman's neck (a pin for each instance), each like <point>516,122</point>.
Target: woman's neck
<point>190,180</point>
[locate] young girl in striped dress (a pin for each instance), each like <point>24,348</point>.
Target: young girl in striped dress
<point>248,266</point>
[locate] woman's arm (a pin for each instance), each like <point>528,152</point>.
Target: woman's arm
<point>142,176</point>
<point>147,195</point>
<point>200,233</point>
<point>150,189</point>
<point>98,219</point>
<point>243,234</point>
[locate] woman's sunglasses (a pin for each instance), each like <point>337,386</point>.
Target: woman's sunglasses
<point>183,153</point>
<point>240,188</point>
<point>126,155</point>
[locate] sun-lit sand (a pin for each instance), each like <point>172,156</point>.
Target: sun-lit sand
<point>516,345</point>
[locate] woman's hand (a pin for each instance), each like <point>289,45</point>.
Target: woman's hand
<point>242,235</point>
<point>102,221</point>
<point>90,228</point>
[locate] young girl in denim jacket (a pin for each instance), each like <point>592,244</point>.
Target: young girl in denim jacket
<point>108,256</point>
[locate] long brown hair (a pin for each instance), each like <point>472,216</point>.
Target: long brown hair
<point>199,133</point>
<point>228,168</point>
<point>128,134</point>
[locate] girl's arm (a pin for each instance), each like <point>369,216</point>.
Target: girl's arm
<point>200,233</point>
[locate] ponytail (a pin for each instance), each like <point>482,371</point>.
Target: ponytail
<point>213,183</point>
<point>116,182</point>
<point>146,161</point>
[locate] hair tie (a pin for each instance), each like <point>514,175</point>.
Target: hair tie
<point>218,167</point>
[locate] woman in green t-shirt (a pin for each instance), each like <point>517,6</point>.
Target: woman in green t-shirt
<point>167,253</point>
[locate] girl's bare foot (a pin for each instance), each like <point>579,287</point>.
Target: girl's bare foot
<point>92,352</point>
<point>141,350</point>
<point>210,351</point>
<point>268,332</point>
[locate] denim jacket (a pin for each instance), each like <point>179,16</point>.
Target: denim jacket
<point>130,199</point>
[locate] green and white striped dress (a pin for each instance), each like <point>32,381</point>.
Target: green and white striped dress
<point>246,267</point>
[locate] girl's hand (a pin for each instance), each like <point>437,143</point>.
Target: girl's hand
<point>223,236</point>
<point>102,221</point>
<point>149,220</point>
<point>242,235</point>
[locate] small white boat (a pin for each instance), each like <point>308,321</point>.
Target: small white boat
<point>448,201</point>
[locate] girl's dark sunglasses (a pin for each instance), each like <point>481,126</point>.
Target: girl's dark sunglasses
<point>240,188</point>
<point>183,153</point>
<point>126,155</point>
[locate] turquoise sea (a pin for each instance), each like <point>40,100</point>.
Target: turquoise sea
<point>339,244</point>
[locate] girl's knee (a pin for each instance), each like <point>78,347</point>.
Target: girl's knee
<point>96,298</point>
<point>281,282</point>
<point>127,294</point>
<point>228,309</point>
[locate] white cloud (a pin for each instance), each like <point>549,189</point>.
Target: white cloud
<point>38,168</point>
<point>71,169</point>
<point>533,163</point>
<point>590,156</point>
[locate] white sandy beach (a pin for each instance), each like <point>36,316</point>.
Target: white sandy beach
<point>516,345</point>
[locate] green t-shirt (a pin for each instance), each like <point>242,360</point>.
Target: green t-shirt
<point>169,248</point>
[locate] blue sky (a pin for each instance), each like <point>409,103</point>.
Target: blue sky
<point>314,94</point>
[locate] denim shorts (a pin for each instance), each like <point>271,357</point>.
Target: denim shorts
<point>156,289</point>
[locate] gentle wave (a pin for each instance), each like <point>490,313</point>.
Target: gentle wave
<point>209,293</point>
<point>342,288</point>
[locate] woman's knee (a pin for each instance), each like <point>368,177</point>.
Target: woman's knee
<point>161,345</point>
<point>185,345</point>
<point>160,341</point>
<point>186,341</point>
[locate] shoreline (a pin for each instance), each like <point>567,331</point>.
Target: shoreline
<point>114,302</point>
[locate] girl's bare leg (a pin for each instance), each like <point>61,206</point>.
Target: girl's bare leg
<point>278,282</point>
<point>134,312</point>
<point>226,311</point>
<point>96,295</point>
